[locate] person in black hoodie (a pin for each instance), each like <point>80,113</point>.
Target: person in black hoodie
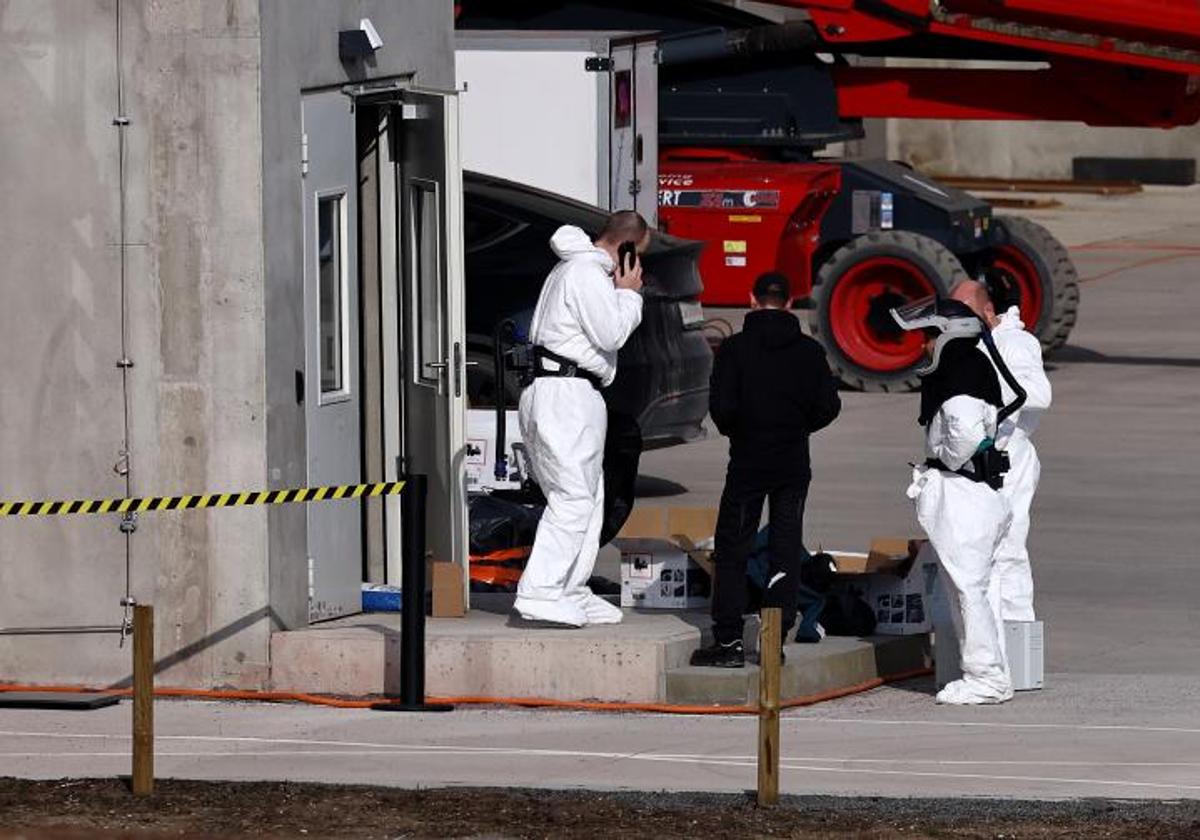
<point>771,388</point>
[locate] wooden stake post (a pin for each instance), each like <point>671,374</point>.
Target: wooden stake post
<point>769,647</point>
<point>143,700</point>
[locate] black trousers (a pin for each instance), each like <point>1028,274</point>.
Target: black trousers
<point>737,526</point>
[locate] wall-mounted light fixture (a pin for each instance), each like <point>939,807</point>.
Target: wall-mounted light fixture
<point>357,44</point>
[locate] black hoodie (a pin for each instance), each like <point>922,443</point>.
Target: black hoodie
<point>771,388</point>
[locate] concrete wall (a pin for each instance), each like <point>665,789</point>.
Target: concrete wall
<point>212,321</point>
<point>60,327</point>
<point>1026,150</point>
<point>299,53</point>
<point>193,326</point>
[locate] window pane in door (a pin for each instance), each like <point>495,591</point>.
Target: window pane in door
<point>426,256</point>
<point>331,273</point>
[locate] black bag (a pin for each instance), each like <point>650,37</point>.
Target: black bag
<point>497,524</point>
<point>847,614</point>
<point>818,572</point>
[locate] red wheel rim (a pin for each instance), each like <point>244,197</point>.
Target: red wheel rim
<point>860,313</point>
<point>1012,261</point>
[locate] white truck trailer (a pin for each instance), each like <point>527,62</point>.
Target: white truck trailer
<point>573,113</point>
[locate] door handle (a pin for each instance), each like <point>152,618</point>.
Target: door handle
<point>458,369</point>
<point>437,365</point>
<point>299,387</point>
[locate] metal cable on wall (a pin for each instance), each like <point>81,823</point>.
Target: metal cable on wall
<point>124,466</point>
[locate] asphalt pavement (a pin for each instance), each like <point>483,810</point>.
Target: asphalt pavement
<point>1116,523</point>
<point>1082,737</point>
<point>1116,547</point>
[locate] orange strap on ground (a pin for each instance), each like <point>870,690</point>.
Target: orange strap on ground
<point>523,702</point>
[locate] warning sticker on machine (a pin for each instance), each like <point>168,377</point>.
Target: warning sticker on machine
<point>735,246</point>
<point>718,198</point>
<point>675,179</point>
<point>735,262</point>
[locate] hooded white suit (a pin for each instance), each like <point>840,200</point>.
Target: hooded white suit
<point>965,521</point>
<point>1022,353</point>
<point>582,317</point>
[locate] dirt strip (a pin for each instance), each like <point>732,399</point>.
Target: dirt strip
<point>103,808</point>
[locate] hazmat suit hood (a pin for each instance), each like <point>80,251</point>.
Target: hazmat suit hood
<point>580,314</point>
<point>773,329</point>
<point>572,243</point>
<point>1010,320</point>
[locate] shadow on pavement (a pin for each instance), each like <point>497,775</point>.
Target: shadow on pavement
<point>651,487</point>
<point>925,686</point>
<point>1082,355</point>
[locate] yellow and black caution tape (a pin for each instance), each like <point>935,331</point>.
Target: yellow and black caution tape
<point>205,500</point>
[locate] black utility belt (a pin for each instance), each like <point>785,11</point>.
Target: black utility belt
<point>987,467</point>
<point>566,367</point>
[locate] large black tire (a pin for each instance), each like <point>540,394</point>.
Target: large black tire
<point>902,266</point>
<point>1057,275</point>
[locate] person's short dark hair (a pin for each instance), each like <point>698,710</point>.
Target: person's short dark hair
<point>624,226</point>
<point>772,289</point>
<point>1002,289</point>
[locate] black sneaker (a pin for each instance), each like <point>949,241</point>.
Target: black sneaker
<point>720,656</point>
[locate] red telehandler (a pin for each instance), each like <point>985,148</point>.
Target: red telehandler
<point>745,105</point>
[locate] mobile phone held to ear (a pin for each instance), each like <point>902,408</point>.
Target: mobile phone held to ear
<point>627,256</point>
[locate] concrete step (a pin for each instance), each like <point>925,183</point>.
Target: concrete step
<point>835,663</point>
<point>493,653</point>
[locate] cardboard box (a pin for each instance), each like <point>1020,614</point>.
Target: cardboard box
<point>896,578</point>
<point>887,554</point>
<point>449,600</point>
<point>662,565</point>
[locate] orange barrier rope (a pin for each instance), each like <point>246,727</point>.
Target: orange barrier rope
<point>522,702</point>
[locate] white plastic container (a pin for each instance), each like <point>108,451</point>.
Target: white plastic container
<point>1024,643</point>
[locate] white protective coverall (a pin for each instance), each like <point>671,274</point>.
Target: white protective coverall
<point>583,317</point>
<point>1022,353</point>
<point>964,520</point>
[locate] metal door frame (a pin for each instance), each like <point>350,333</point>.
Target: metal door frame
<point>400,308</point>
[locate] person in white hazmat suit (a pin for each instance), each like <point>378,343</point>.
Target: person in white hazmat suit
<point>956,490</point>
<point>589,306</point>
<point>1022,353</point>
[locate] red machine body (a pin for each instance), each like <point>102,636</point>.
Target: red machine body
<point>1110,62</point>
<point>756,215</point>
